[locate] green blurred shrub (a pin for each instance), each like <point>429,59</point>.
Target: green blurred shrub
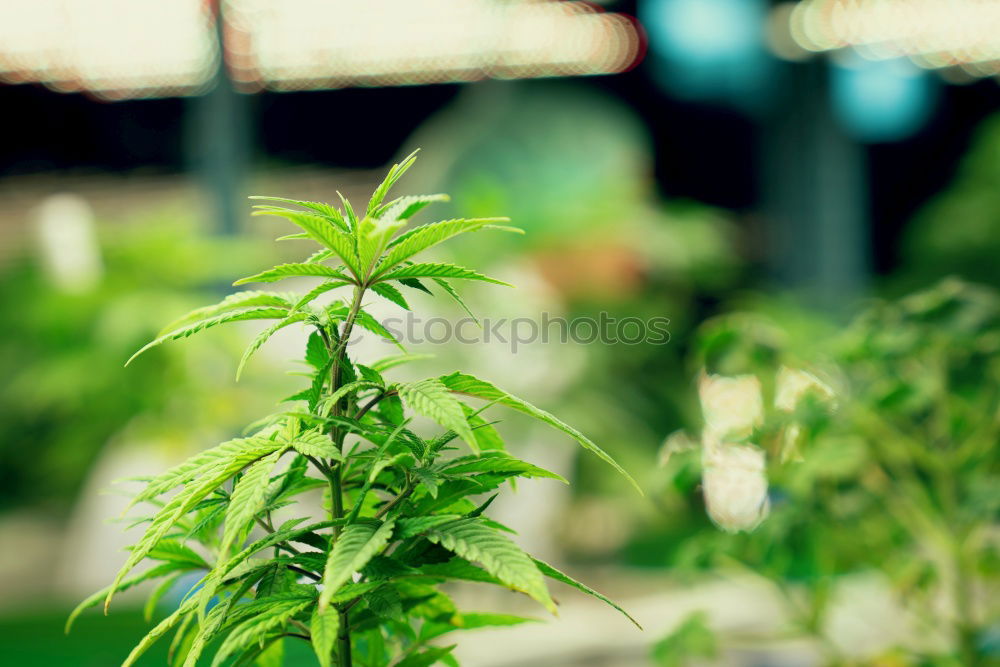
<point>902,478</point>
<point>64,393</point>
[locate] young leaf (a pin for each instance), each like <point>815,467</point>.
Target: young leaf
<point>283,271</point>
<point>497,462</point>
<point>439,271</point>
<point>473,540</point>
<point>395,173</point>
<point>356,545</point>
<point>201,325</point>
<point>405,208</point>
<point>248,498</point>
<point>429,236</point>
<point>325,210</point>
<point>186,500</point>
<point>323,629</point>
<point>271,616</point>
<point>162,628</point>
<point>325,233</point>
<point>368,322</point>
<point>553,573</point>
<point>450,291</point>
<point>317,445</point>
<point>263,337</point>
<point>237,301</point>
<point>468,385</point>
<point>386,363</point>
<point>432,399</point>
<point>391,293</point>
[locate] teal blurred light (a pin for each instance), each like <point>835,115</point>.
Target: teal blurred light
<point>880,100</point>
<point>709,49</point>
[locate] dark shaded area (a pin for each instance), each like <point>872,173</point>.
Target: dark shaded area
<point>703,152</point>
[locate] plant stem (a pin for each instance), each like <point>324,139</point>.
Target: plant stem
<point>336,485</point>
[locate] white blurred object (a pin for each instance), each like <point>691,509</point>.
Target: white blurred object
<point>734,480</point>
<point>732,406</point>
<point>793,385</point>
<point>67,243</point>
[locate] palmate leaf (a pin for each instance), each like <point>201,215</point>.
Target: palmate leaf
<point>356,545</point>
<point>438,270</point>
<point>248,498</point>
<point>323,232</point>
<point>323,628</point>
<point>428,236</point>
<point>237,301</point>
<point>553,573</point>
<point>432,399</point>
<point>201,325</point>
<point>282,271</point>
<point>475,541</point>
<point>185,501</point>
<point>468,385</point>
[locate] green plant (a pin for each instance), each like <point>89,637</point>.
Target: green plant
<point>886,472</point>
<point>362,582</point>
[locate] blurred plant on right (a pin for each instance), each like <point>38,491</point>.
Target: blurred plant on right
<point>884,471</point>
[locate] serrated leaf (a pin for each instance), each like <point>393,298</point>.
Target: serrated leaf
<point>294,270</point>
<point>263,337</point>
<point>237,301</point>
<point>432,399</point>
<point>391,293</point>
<point>553,573</point>
<point>96,598</point>
<point>270,617</point>
<point>450,291</point>
<point>201,325</point>
<point>325,210</point>
<point>355,546</point>
<point>425,658</point>
<point>368,322</point>
<point>404,208</point>
<point>323,628</point>
<point>316,444</point>
<point>439,270</point>
<point>395,173</point>
<point>497,462</point>
<point>193,467</point>
<point>176,552</point>
<point>248,498</point>
<point>475,541</point>
<point>325,233</point>
<point>162,628</point>
<point>186,499</point>
<point>157,594</point>
<point>428,236</point>
<point>468,385</point>
<point>413,283</point>
<point>386,363</point>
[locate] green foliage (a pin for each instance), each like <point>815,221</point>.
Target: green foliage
<point>361,586</point>
<point>897,475</point>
